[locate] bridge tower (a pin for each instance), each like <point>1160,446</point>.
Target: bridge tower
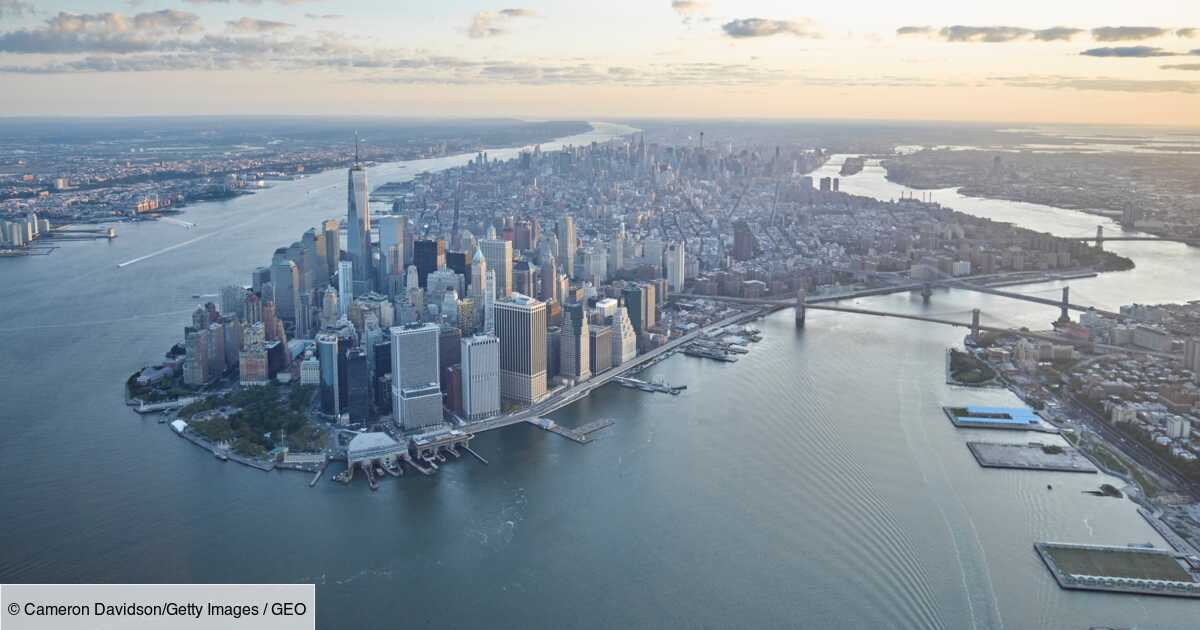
<point>927,292</point>
<point>975,324</point>
<point>801,298</point>
<point>1099,237</point>
<point>1064,315</point>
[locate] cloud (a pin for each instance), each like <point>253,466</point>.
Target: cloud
<point>960,33</point>
<point>1188,32</point>
<point>1182,66</point>
<point>16,8</point>
<point>252,25</point>
<point>746,28</point>
<point>101,32</point>
<point>324,16</point>
<point>495,23</point>
<point>1056,34</point>
<point>690,7</point>
<point>1128,52</point>
<point>1127,33</point>
<point>1103,84</point>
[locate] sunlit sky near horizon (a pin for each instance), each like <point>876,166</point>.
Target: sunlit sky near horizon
<point>1101,61</point>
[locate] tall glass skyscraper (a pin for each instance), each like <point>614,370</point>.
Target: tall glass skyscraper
<point>358,228</point>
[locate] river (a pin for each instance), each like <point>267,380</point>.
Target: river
<point>815,483</point>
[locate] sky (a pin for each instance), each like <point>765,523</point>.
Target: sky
<point>1056,61</point>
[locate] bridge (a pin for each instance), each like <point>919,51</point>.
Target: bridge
<point>1099,239</point>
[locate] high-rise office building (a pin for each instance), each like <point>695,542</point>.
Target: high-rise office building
<point>499,256</point>
<point>480,377</point>
<point>315,266</point>
<point>460,264</point>
<point>195,363</point>
<point>428,257</point>
<point>333,246</point>
<point>635,305</point>
<point>358,227</point>
<point>675,266</point>
<point>393,231</point>
<point>416,388</point>
<point>489,302</point>
<point>479,267</point>
<point>358,385</point>
<point>285,277</point>
<point>549,289</point>
<point>233,301</point>
<point>575,346</point>
<point>600,352</point>
<point>624,337</point>
<point>743,241</point>
<point>521,326</point>
<point>566,244</point>
<point>330,358</point>
<point>345,291</point>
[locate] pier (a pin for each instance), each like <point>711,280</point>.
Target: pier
<point>581,434</point>
<point>647,386</point>
<point>1032,456</point>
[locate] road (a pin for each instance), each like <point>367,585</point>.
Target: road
<point>1135,450</point>
<point>563,397</point>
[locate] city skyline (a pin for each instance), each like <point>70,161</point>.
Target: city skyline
<point>1075,62</point>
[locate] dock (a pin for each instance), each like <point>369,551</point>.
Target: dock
<point>1031,456</point>
<point>707,352</point>
<point>477,455</point>
<point>1132,569</point>
<point>647,386</point>
<point>580,435</point>
<point>317,477</point>
<point>1006,418</point>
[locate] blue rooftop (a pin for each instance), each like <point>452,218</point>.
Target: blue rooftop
<point>1016,415</point>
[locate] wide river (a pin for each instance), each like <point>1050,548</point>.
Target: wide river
<point>815,483</point>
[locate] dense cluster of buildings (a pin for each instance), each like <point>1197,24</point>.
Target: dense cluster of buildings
<point>20,231</point>
<point>486,287</point>
<point>1152,389</point>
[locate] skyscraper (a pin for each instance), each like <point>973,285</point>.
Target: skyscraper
<point>480,376</point>
<point>428,257</point>
<point>600,353</point>
<point>358,226</point>
<point>416,390</point>
<point>549,291</point>
<point>333,246</point>
<point>358,385</point>
<point>316,269</point>
<point>500,260</point>
<point>675,266</point>
<point>566,244</point>
<point>521,326</point>
<point>624,337</point>
<point>345,292</point>
<point>743,241</point>
<point>489,302</point>
<point>635,305</point>
<point>328,355</point>
<point>393,231</point>
<point>285,277</point>
<point>575,347</point>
